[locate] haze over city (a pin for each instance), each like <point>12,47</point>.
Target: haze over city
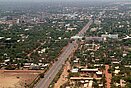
<point>59,0</point>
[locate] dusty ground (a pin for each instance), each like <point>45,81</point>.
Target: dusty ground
<point>108,76</point>
<point>16,79</point>
<point>63,76</point>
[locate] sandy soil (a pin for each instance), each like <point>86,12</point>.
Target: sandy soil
<point>16,79</point>
<point>63,76</point>
<point>8,82</point>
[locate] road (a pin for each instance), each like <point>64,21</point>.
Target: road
<point>83,31</point>
<point>50,75</point>
<point>108,76</point>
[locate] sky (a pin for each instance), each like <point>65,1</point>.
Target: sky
<point>57,0</point>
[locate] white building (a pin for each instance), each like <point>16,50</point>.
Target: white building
<point>114,36</point>
<point>75,70</point>
<point>76,37</point>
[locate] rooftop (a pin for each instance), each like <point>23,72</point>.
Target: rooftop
<point>90,69</point>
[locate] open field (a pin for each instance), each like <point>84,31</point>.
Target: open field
<point>17,78</point>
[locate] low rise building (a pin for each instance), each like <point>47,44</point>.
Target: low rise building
<point>75,70</point>
<point>89,70</point>
<point>114,36</point>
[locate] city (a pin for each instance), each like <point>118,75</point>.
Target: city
<point>65,44</point>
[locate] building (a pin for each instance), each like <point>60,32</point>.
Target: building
<point>90,84</point>
<point>89,70</point>
<point>114,36</point>
<point>122,83</point>
<point>18,21</point>
<point>83,78</point>
<point>75,70</point>
<point>71,29</point>
<point>99,74</point>
<point>76,37</point>
<point>99,39</point>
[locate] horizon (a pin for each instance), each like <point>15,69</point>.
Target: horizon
<point>62,0</point>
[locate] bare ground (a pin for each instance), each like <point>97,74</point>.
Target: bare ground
<point>63,78</point>
<point>17,79</point>
<point>108,76</point>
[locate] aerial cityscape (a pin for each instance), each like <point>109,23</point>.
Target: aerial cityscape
<point>65,43</point>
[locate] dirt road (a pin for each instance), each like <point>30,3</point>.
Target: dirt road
<point>108,76</point>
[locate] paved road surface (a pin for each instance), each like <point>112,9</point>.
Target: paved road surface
<point>50,75</point>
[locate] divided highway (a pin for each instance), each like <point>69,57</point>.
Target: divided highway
<point>50,75</point>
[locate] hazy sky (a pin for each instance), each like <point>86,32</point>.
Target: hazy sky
<point>59,0</point>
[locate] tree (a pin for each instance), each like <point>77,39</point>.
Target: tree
<point>41,75</point>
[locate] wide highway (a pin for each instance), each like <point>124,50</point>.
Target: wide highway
<point>55,68</point>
